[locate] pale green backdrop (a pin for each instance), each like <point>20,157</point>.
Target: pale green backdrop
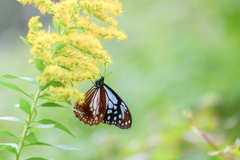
<point>179,55</point>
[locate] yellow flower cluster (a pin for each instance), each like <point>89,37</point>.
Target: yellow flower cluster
<point>74,53</point>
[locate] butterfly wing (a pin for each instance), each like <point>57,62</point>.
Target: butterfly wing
<point>117,112</point>
<point>94,107</point>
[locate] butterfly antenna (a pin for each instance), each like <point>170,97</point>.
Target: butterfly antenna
<point>108,74</point>
<point>104,71</point>
<point>92,81</point>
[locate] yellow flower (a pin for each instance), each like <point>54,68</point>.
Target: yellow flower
<point>75,53</point>
<point>34,26</point>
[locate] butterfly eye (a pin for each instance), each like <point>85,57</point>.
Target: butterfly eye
<point>102,104</point>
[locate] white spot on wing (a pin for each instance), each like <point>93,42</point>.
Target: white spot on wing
<point>115,112</point>
<point>122,109</point>
<point>110,105</point>
<point>109,111</point>
<point>108,117</point>
<point>96,100</point>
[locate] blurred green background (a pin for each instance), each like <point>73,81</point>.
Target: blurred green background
<point>179,55</point>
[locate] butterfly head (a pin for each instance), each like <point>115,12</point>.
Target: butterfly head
<point>99,83</point>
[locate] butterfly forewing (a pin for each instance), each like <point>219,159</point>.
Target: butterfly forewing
<point>117,112</point>
<point>94,107</point>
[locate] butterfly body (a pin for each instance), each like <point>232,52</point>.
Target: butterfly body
<point>102,104</point>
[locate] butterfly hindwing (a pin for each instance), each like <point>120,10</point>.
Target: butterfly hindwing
<point>94,108</point>
<point>117,112</point>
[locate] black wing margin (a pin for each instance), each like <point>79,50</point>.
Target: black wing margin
<point>117,112</point>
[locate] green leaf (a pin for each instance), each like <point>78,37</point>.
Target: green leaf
<point>51,83</point>
<point>74,27</point>
<point>50,104</point>
<point>57,125</point>
<point>27,42</point>
<point>10,147</point>
<point>10,76</point>
<point>38,144</point>
<point>7,133</point>
<point>31,137</point>
<point>64,147</point>
<point>64,67</point>
<point>25,106</point>
<point>57,84</point>
<point>42,87</point>
<point>61,45</point>
<point>57,26</point>
<point>39,64</point>
<point>11,119</point>
<point>14,87</point>
<point>36,158</point>
<point>44,126</point>
<point>43,96</point>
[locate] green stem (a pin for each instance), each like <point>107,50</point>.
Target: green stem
<point>208,140</point>
<point>27,124</point>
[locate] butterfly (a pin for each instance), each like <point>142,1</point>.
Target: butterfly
<point>102,104</point>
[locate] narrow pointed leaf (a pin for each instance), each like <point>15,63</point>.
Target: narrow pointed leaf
<point>42,87</point>
<point>77,27</point>
<point>39,64</point>
<point>74,27</point>
<point>64,147</point>
<point>36,158</point>
<point>57,26</point>
<point>51,83</point>
<point>57,125</point>
<point>58,84</point>
<point>25,106</point>
<point>50,104</point>
<point>44,126</point>
<point>61,45</point>
<point>10,147</point>
<point>38,144</point>
<point>43,96</point>
<point>14,87</point>
<point>31,137</point>
<point>64,67</point>
<point>27,42</point>
<point>7,133</point>
<point>11,119</point>
<point>10,76</point>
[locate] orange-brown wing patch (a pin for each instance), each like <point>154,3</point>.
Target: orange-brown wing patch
<point>94,108</point>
